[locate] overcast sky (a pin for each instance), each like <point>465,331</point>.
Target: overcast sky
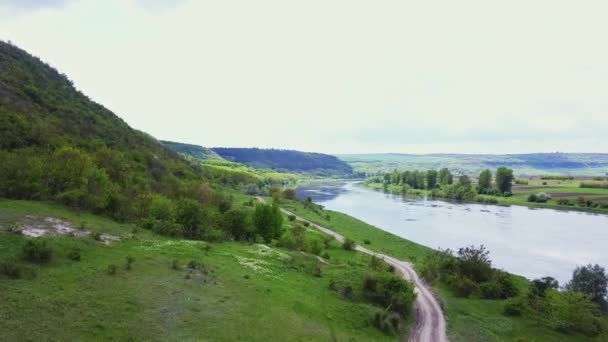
<point>336,76</point>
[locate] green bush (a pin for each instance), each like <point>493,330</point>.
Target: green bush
<point>385,321</point>
<point>367,242</point>
<point>74,254</point>
<point>36,251</point>
<point>292,217</point>
<point>390,290</point>
<point>112,269</point>
<point>348,244</point>
<point>513,308</point>
<point>463,286</point>
<point>130,261</point>
<point>11,269</point>
<point>314,246</point>
<point>325,255</point>
<point>501,286</point>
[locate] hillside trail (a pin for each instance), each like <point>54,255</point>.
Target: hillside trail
<point>430,324</point>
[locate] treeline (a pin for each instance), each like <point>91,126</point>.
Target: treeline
<point>287,160</point>
<point>441,183</point>
<point>592,185</point>
<point>575,307</point>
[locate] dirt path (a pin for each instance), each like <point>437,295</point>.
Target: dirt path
<point>430,325</point>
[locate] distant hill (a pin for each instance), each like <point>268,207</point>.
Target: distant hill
<point>194,151</point>
<point>576,164</point>
<point>317,164</point>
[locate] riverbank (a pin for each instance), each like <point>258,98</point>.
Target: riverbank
<point>469,319</point>
<point>520,196</point>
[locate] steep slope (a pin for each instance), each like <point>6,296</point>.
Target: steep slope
<point>287,160</point>
<point>57,144</point>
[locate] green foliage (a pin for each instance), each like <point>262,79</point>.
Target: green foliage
<point>573,312</point>
<point>74,254</point>
<point>590,280</point>
<point>431,179</point>
<point>268,221</point>
<point>445,177</point>
<point>237,223</point>
<point>130,260</point>
<point>11,269</point>
<point>501,286</point>
<point>390,290</point>
<point>386,321</point>
<point>189,214</point>
<point>463,286</point>
<point>485,181</point>
<point>504,180</point>
<point>514,308</point>
<point>111,270</point>
<point>37,251</point>
<point>348,244</point>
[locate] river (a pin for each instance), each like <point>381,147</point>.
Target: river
<point>529,242</point>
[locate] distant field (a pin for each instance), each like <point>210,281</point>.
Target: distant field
<point>577,164</point>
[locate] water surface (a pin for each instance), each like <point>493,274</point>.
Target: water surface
<point>530,242</point>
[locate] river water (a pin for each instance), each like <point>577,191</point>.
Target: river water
<point>530,242</point>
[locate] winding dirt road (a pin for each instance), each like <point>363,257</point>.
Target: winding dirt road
<point>430,325</point>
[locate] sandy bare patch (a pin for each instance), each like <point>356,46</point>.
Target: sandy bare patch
<point>34,226</point>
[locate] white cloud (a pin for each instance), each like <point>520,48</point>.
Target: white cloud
<point>339,76</point>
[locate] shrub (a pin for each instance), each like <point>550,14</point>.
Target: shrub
<point>37,251</point>
<point>74,254</point>
<point>175,264</point>
<point>316,271</point>
<point>306,223</point>
<point>542,197</point>
<point>11,269</point>
<point>463,286</point>
<point>513,308</point>
<point>367,242</point>
<point>327,241</point>
<point>500,287</point>
<point>112,269</point>
<point>564,201</point>
<point>130,261</point>
<point>314,247</point>
<point>385,321</point>
<point>292,217</point>
<point>96,236</point>
<point>390,290</point>
<point>325,256</point>
<point>532,198</point>
<point>573,312</point>
<point>348,244</point>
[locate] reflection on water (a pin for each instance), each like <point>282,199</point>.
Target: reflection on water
<point>530,242</point>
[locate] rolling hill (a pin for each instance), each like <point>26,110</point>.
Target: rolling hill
<point>316,164</point>
<point>575,164</point>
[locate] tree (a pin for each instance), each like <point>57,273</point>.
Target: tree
<point>445,177</point>
<point>268,221</point>
<point>237,223</point>
<point>485,181</point>
<point>464,180</point>
<point>504,179</point>
<point>475,263</point>
<point>590,280</point>
<point>539,287</point>
<point>431,179</point>
<point>189,214</point>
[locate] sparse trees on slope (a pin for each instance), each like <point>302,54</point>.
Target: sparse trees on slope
<point>445,177</point>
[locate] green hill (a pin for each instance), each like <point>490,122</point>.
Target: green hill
<point>534,164</point>
<point>316,164</point>
<point>106,234</point>
<point>193,151</point>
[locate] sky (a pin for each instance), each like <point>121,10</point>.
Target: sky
<point>336,76</point>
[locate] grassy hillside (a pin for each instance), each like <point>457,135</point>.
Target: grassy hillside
<point>231,291</point>
<point>315,164</point>
<point>579,164</point>
<point>195,152</point>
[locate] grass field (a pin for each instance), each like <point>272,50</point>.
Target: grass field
<point>469,319</point>
<point>241,292</point>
